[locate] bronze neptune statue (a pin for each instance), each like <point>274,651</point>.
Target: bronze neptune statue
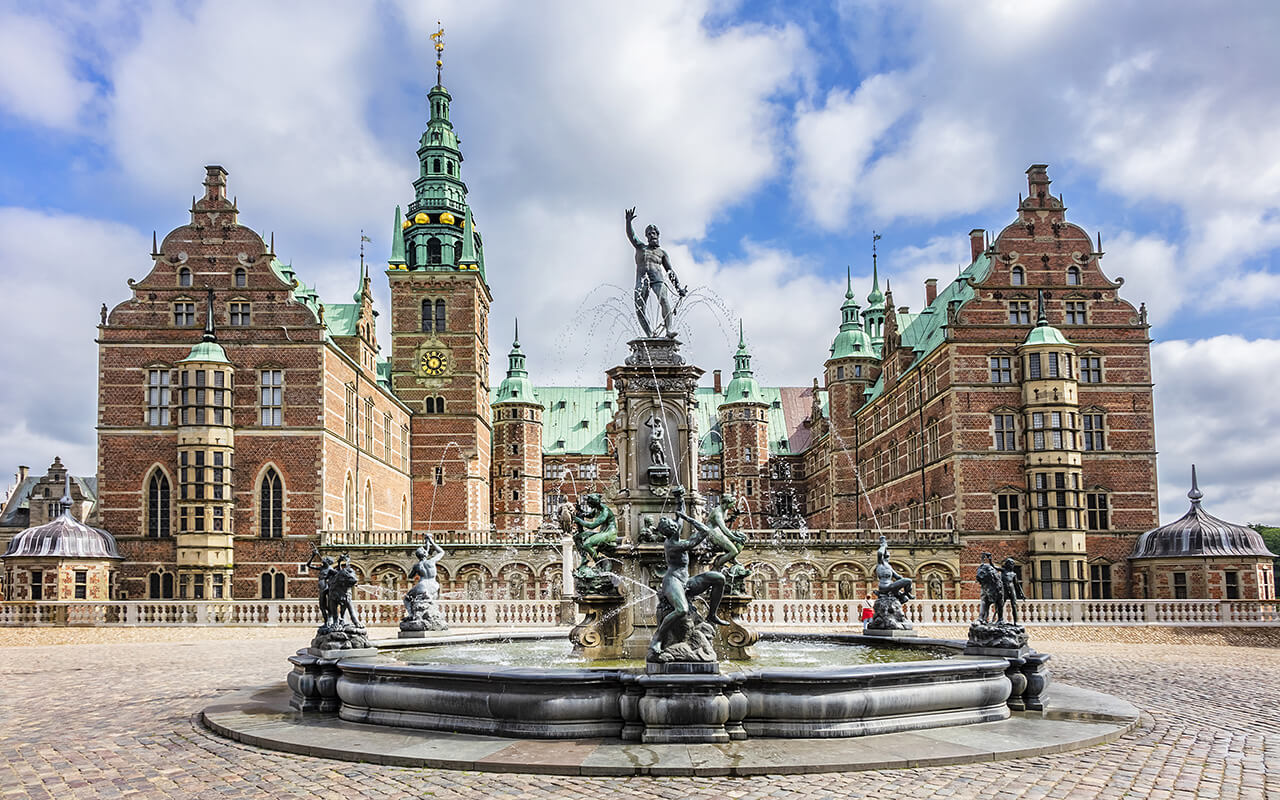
<point>652,269</point>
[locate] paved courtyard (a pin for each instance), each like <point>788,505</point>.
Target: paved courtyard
<point>112,713</point>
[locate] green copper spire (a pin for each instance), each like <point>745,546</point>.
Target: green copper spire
<point>743,388</point>
<point>876,298</point>
<point>516,387</point>
<point>852,340</point>
<point>397,243</point>
<point>1043,332</point>
<point>208,349</point>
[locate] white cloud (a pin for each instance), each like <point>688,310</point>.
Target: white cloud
<point>1217,407</point>
<point>37,73</point>
<point>64,266</point>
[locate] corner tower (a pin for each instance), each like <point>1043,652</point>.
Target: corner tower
<point>744,424</point>
<point>439,332</point>
<point>517,448</point>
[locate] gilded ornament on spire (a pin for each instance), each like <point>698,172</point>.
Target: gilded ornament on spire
<point>438,41</point>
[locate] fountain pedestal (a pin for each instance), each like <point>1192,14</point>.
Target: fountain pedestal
<point>734,641</point>
<point>685,702</point>
<point>602,634</point>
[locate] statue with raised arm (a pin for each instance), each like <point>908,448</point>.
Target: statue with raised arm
<point>605,526</point>
<point>657,434</point>
<point>652,269</point>
<point>728,541</point>
<point>420,611</point>
<point>1012,587</point>
<point>335,634</point>
<point>324,573</point>
<point>680,635</point>
<point>997,584</point>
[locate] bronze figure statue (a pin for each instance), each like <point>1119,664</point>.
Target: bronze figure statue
<point>677,587</point>
<point>605,525</point>
<point>652,268</point>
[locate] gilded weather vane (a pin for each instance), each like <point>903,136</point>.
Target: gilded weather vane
<point>438,38</point>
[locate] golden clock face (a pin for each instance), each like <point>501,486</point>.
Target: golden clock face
<point>433,362</point>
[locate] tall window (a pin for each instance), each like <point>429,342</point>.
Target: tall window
<point>239,315</point>
<point>433,250</point>
<point>440,317</point>
<point>82,584</point>
<point>1092,437</point>
<point>426,316</point>
<point>404,446</point>
<point>349,414</point>
<point>272,586</point>
<point>1073,276</point>
<point>435,405</point>
<point>158,505</point>
<point>160,586</point>
<point>1231,584</point>
<point>1033,366</point>
<point>710,470</point>
<point>348,506</point>
<point>1020,312</point>
<point>368,506</point>
<point>1005,436</point>
<point>242,278</point>
<point>184,314</point>
<point>158,397</point>
<point>272,393</point>
<point>1179,583</point>
<point>1090,369</point>
<point>368,424</point>
<point>1075,312</point>
<point>1018,277</point>
<point>1046,580</point>
<point>386,438</point>
<point>271,505</point>
<point>184,277</point>
<point>1097,508</point>
<point>37,584</point>
<point>1007,512</point>
<point>1001,369</point>
<point>1100,581</point>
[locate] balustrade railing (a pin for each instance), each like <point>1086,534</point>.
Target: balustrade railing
<point>856,537</point>
<point>460,538</point>
<point>781,537</point>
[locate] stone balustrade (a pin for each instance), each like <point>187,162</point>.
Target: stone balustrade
<point>782,537</point>
<point>842,614</point>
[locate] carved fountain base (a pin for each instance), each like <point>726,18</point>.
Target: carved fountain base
<point>603,632</point>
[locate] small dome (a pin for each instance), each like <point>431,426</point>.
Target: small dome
<point>1198,533</point>
<point>210,352</point>
<point>63,537</point>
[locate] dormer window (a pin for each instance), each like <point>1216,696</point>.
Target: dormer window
<point>242,278</point>
<point>1073,276</point>
<point>1018,277</point>
<point>184,277</point>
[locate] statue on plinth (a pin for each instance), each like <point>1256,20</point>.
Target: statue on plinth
<point>893,591</point>
<point>652,269</point>
<point>657,433</point>
<point>336,634</point>
<point>997,585</point>
<point>682,634</point>
<point>728,541</point>
<point>420,610</point>
<point>324,572</point>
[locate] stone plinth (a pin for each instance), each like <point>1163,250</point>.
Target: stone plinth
<point>735,641</point>
<point>604,630</point>
<point>686,702</point>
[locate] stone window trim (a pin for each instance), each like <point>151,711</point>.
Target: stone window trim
<point>185,278</point>
<point>273,585</point>
<point>1093,429</point>
<point>158,507</point>
<point>241,280</point>
<point>271,397</point>
<point>271,501</point>
<point>1008,505</point>
<point>368,504</point>
<point>239,312</point>
<point>1001,367</point>
<point>184,312</point>
<point>1017,276</point>
<point>1097,509</point>
<point>1091,366</point>
<point>161,585</point>
<point>1074,276</point>
<point>159,395</point>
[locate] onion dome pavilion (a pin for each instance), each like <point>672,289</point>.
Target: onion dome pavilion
<point>60,560</point>
<point>1199,555</point>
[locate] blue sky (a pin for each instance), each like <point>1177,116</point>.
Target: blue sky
<point>767,140</point>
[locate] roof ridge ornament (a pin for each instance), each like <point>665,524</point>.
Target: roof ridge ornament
<point>1042,319</point>
<point>64,504</point>
<point>438,41</point>
<point>210,335</point>
<point>1195,494</point>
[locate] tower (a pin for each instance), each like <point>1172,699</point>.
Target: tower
<point>206,447</point>
<point>873,317</point>
<point>517,448</point>
<point>744,424</point>
<point>850,370</point>
<point>439,332</point>
<point>1050,413</point>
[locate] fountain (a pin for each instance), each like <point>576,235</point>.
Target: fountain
<point>662,653</point>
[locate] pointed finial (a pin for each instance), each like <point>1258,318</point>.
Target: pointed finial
<point>65,502</point>
<point>516,343</point>
<point>848,277</point>
<point>438,41</point>
<point>742,338</point>
<point>1195,494</point>
<point>875,237</point>
<point>1041,318</point>
<point>273,243</point>
<point>209,334</point>
<point>154,248</point>
<point>1099,241</point>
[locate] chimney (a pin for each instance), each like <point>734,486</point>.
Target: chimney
<point>23,469</point>
<point>930,291</point>
<point>904,309</point>
<point>715,381</point>
<point>975,243</point>
<point>215,182</point>
<point>1038,183</point>
<point>608,382</point>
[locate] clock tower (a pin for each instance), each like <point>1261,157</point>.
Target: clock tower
<point>439,333</point>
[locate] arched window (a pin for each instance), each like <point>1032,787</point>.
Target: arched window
<point>153,586</point>
<point>435,165</point>
<point>184,277</point>
<point>439,405</point>
<point>242,278</point>
<point>1019,278</point>
<point>348,506</point>
<point>368,506</point>
<point>1073,276</point>
<point>433,250</point>
<point>448,165</point>
<point>430,406</point>
<point>272,585</point>
<point>412,253</point>
<point>440,316</point>
<point>457,252</point>
<point>426,316</point>
<point>158,505</point>
<point>160,586</point>
<point>271,505</point>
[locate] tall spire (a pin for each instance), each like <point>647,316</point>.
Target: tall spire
<point>516,387</point>
<point>1042,319</point>
<point>438,40</point>
<point>397,243</point>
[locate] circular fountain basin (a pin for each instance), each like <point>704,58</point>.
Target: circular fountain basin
<point>842,686</point>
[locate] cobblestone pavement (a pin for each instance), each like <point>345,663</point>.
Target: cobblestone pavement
<point>117,719</point>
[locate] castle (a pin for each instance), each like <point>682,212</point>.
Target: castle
<point>243,422</point>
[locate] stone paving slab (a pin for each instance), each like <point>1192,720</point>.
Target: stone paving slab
<point>1073,718</point>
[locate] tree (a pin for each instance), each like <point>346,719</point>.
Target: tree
<point>1271,536</point>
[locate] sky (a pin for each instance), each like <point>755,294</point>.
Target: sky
<point>766,140</point>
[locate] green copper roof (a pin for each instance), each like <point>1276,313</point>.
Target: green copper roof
<point>384,373</point>
<point>340,318</point>
<point>852,340</point>
<point>743,388</point>
<point>397,241</point>
<point>1045,334</point>
<point>516,387</point>
<point>207,351</point>
<point>876,298</point>
<point>926,331</point>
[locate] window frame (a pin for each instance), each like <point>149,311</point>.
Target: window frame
<point>239,314</point>
<point>271,504</point>
<point>271,397</point>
